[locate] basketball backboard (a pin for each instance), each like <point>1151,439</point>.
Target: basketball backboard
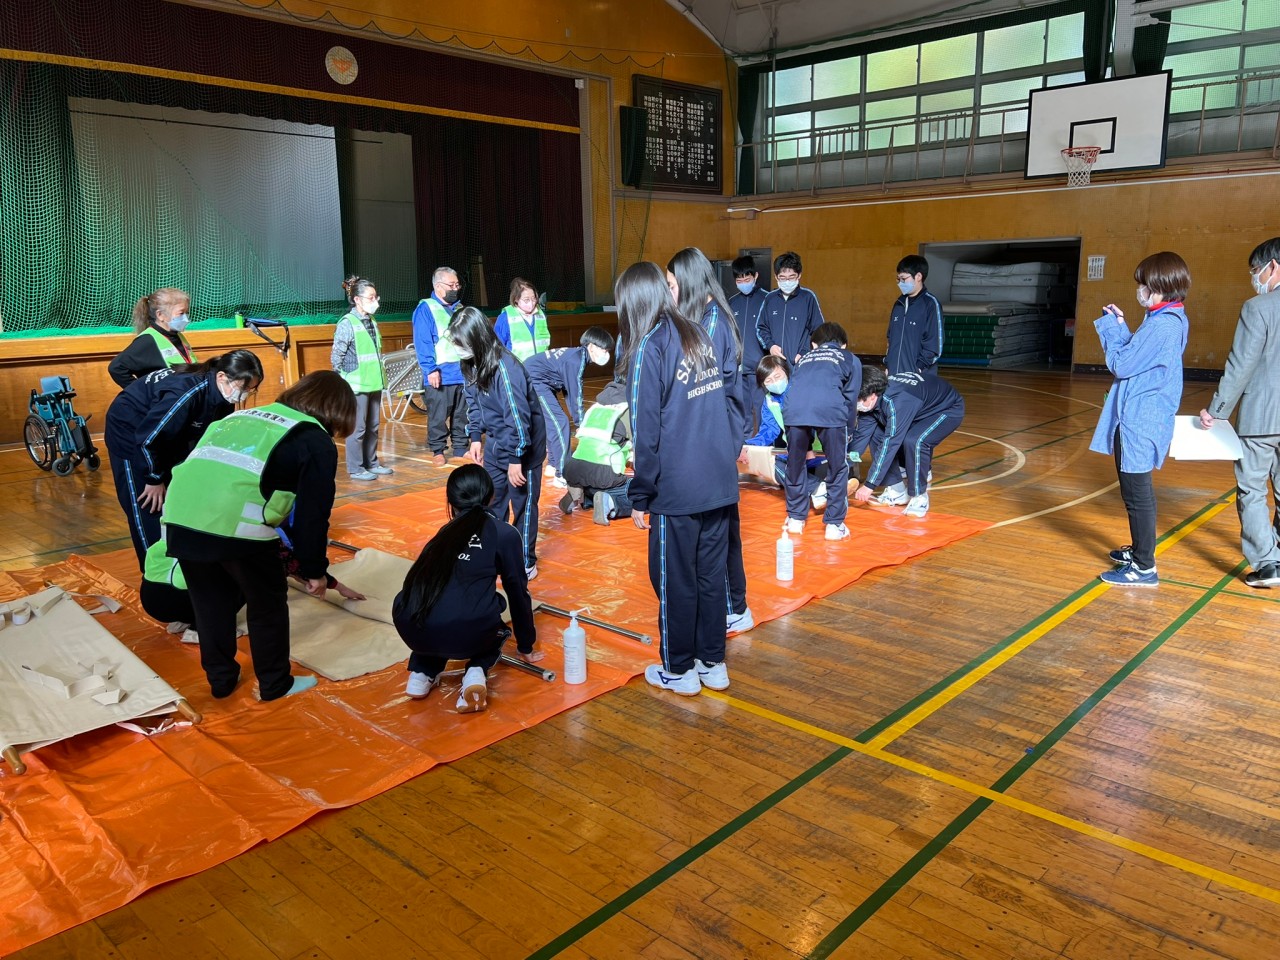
<point>1128,118</point>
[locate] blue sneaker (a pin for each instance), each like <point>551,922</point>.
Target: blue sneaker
<point>1121,555</point>
<point>1128,575</point>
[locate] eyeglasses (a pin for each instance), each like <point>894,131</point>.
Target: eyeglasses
<point>370,296</point>
<point>906,278</point>
<point>788,276</point>
<point>456,285</point>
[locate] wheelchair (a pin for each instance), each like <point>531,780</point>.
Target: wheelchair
<point>57,438</point>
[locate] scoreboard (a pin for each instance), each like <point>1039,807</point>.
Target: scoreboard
<point>683,138</point>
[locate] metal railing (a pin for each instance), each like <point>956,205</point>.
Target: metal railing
<point>1222,116</point>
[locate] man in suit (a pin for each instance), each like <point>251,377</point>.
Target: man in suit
<point>1252,377</point>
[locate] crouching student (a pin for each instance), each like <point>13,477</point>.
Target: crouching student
<point>773,376</point>
<point>822,402</point>
<point>224,504</point>
<point>596,472</point>
<point>508,436</point>
<point>909,415</point>
<point>559,371</point>
<point>448,608</point>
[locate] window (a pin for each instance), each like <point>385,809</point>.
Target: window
<point>1010,48</point>
<point>891,68</point>
<point>1206,21</point>
<point>838,78</point>
<point>948,59</point>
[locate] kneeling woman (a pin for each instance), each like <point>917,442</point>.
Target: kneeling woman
<point>226,500</point>
<point>449,609</point>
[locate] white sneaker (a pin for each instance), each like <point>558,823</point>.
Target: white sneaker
<point>892,496</point>
<point>819,497</point>
<point>739,622</point>
<point>177,627</point>
<point>713,677</point>
<point>558,483</point>
<point>531,572</point>
<point>419,685</point>
<point>475,691</point>
<point>837,531</point>
<point>794,526</point>
<point>190,636</point>
<point>686,684</point>
<point>918,506</point>
<point>548,472</point>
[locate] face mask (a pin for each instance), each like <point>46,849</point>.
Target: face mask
<point>906,286</point>
<point>371,309</point>
<point>179,323</point>
<point>1149,301</point>
<point>463,352</point>
<point>788,286</point>
<point>451,296</point>
<point>777,387</point>
<point>864,406</point>
<point>597,356</point>
<point>746,286</point>
<point>234,394</point>
<point>1260,286</point>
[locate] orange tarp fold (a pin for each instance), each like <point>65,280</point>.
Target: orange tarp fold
<point>102,817</point>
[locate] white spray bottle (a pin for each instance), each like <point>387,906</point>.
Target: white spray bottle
<point>575,649</point>
<point>786,569</point>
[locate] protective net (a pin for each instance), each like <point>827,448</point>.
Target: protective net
<point>256,163</point>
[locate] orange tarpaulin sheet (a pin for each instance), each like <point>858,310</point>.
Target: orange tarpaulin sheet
<point>100,818</point>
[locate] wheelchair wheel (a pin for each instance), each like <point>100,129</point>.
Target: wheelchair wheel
<point>63,466</point>
<point>93,461</point>
<point>418,403</point>
<point>38,437</point>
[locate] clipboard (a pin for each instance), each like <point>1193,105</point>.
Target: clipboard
<point>1191,441</point>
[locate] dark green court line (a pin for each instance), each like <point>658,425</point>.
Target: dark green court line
<point>925,695</point>
<point>907,872</point>
<point>660,876</point>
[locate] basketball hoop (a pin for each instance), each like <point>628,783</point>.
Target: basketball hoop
<point>1080,161</point>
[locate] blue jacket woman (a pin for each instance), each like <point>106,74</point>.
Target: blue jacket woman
<point>1136,424</point>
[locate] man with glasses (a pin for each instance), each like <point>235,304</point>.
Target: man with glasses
<point>790,314</point>
<point>441,372</point>
<point>915,324</point>
<point>1252,379</point>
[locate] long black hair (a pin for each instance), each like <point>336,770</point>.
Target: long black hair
<point>468,491</point>
<point>643,299</point>
<point>470,330</point>
<point>239,366</point>
<point>696,280</point>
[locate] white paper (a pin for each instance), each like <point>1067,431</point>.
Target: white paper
<point>1191,441</point>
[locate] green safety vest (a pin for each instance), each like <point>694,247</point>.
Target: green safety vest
<point>595,437</point>
<point>170,354</point>
<point>446,352</point>
<point>367,376</point>
<point>217,489</point>
<point>525,343</point>
<point>157,567</point>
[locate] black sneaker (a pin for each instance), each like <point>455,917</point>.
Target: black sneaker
<point>1122,554</point>
<point>1266,576</point>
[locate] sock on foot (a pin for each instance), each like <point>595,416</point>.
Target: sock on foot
<point>300,684</point>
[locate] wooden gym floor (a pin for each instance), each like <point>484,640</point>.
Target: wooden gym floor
<point>983,754</point>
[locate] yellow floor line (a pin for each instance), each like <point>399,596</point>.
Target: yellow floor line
<point>946,695</point>
<point>1013,803</point>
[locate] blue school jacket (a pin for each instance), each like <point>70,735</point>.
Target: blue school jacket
<point>685,442</point>
<point>915,334</point>
<point>788,322</point>
<point>824,388</point>
<point>507,414</point>
<point>560,370</point>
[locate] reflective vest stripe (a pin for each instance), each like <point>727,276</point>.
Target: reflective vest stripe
<point>446,352</point>
<point>595,437</point>
<point>525,342</point>
<point>170,354</point>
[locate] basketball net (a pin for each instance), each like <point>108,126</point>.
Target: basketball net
<point>1080,161</point>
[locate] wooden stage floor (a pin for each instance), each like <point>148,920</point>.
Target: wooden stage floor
<point>984,753</point>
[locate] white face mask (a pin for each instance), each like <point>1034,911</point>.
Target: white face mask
<point>866,406</point>
<point>463,352</point>
<point>1149,301</point>
<point>597,356</point>
<point>1261,286</point>
<point>788,286</point>
<point>232,392</point>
